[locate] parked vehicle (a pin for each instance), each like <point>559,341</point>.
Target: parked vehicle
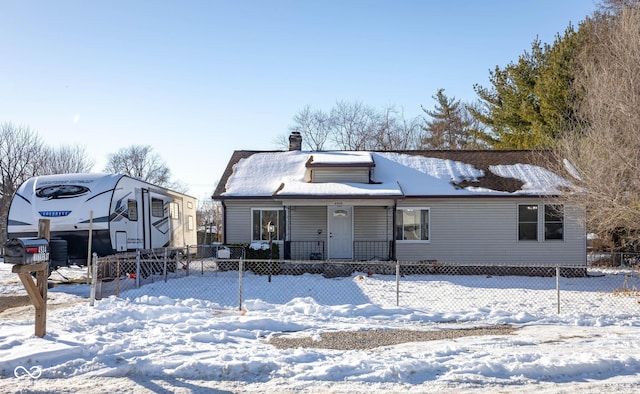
<point>122,213</point>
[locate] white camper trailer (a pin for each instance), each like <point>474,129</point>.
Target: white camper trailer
<point>124,213</point>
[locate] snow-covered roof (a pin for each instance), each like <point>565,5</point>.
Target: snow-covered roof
<point>393,174</point>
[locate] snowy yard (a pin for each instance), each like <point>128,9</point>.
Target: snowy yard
<point>154,339</point>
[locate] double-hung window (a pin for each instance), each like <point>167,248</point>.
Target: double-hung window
<point>412,224</point>
<point>260,219</point>
<point>528,222</point>
<point>551,220</point>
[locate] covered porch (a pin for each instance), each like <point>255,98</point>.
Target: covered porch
<point>344,230</point>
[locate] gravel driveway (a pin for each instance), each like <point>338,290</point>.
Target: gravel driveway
<point>369,339</point>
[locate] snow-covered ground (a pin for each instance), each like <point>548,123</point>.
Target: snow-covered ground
<point>155,340</point>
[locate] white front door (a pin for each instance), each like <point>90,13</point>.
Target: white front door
<point>340,226</point>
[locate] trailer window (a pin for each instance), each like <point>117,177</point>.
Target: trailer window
<point>157,208</point>
<point>174,210</point>
<point>132,209</point>
<point>190,223</point>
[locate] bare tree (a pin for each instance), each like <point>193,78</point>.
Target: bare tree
<point>142,163</point>
<point>395,132</point>
<point>354,126</point>
<point>66,159</point>
<point>209,218</point>
<point>616,6</point>
<point>21,157</point>
<point>314,126</point>
<point>605,149</point>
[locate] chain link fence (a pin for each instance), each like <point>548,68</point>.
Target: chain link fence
<point>229,278</point>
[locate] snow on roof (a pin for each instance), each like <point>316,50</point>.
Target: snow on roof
<point>344,158</point>
<point>394,174</point>
<point>422,176</point>
<point>537,180</point>
<point>261,174</point>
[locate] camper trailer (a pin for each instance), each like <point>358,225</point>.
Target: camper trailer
<point>122,213</point>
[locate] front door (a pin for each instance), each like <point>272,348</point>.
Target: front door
<point>340,226</point>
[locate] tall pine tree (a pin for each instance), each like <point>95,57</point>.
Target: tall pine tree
<point>448,128</point>
<point>532,102</point>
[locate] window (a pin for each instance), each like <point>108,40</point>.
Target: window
<point>412,224</point>
<point>157,208</point>
<point>528,222</point>
<point>553,222</point>
<point>190,223</point>
<point>132,210</point>
<point>174,210</point>
<point>260,219</point>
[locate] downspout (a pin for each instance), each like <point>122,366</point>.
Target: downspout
<point>224,223</point>
<point>393,229</point>
<point>395,209</point>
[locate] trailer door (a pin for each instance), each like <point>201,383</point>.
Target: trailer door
<point>121,241</point>
<point>146,218</point>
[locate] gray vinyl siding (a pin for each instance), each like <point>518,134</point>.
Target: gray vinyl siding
<point>348,175</point>
<point>486,231</point>
<point>304,223</point>
<point>466,231</point>
<point>372,223</point>
<point>372,231</point>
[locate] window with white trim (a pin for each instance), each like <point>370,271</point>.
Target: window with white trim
<point>260,219</point>
<point>412,224</point>
<point>527,222</point>
<point>553,222</point>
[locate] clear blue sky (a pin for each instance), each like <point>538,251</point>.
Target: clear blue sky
<point>197,80</point>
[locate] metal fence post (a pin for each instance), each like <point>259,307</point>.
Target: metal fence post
<point>138,269</point>
<point>558,286</point>
<point>240,268</point>
<point>164,265</point>
<point>94,279</point>
<point>397,283</point>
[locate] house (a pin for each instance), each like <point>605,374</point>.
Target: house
<point>467,207</point>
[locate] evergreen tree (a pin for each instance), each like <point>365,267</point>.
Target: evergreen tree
<point>511,105</point>
<point>532,101</point>
<point>448,128</point>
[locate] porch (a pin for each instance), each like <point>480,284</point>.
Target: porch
<point>316,250</point>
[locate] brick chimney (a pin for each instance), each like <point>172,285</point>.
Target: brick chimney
<point>295,141</point>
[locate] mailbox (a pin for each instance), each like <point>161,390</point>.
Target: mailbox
<point>26,251</point>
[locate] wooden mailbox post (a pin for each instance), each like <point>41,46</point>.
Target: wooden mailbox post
<point>37,291</point>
